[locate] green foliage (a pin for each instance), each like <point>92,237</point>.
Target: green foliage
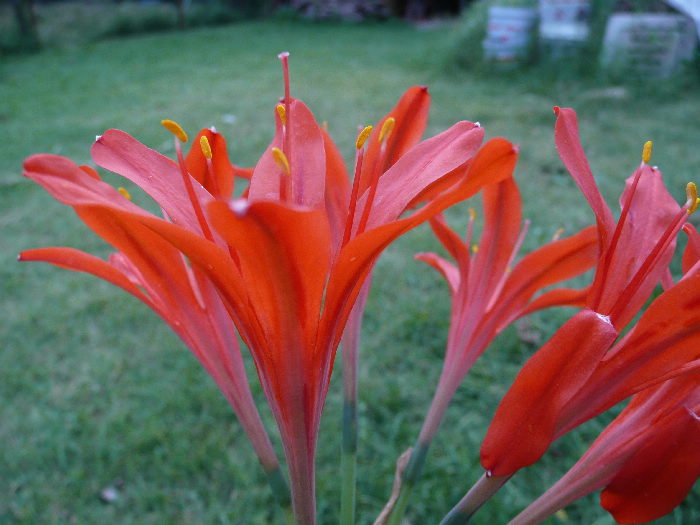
<point>97,393</point>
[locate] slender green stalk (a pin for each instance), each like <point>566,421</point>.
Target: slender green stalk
<point>348,463</point>
<point>409,478</point>
<point>280,489</point>
<point>472,501</point>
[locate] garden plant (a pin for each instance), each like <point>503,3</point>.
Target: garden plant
<point>278,260</point>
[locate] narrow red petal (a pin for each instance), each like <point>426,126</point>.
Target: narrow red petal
<point>223,171</point>
<point>154,173</point>
<point>661,473</point>
<point>525,421</point>
<point>307,162</point>
<point>411,116</point>
<point>568,143</point>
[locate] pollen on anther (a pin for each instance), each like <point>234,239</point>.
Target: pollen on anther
<point>472,214</point>
<point>174,128</point>
<point>124,192</point>
<point>387,128</point>
<point>646,152</point>
<point>206,147</point>
<point>362,137</point>
<point>281,160</point>
<point>282,113</point>
<point>691,192</point>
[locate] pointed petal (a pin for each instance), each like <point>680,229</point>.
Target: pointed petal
<point>448,270</point>
<point>494,162</point>
<point>692,249</point>
<point>337,189</point>
<point>411,117</point>
<point>78,261</point>
<point>502,221</point>
<point>525,421</point>
<point>154,173</point>
<point>665,339</point>
<point>659,476</point>
<point>568,143</point>
<point>221,186</point>
<point>420,167</point>
<point>557,297</point>
<point>71,184</point>
<point>651,212</point>
<point>454,245</point>
<point>552,263</point>
<point>307,161</point>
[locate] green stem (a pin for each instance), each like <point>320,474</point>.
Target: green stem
<point>348,463</point>
<point>409,479</point>
<point>472,501</point>
<point>280,490</point>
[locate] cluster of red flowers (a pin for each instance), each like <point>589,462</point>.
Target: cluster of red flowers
<point>286,265</point>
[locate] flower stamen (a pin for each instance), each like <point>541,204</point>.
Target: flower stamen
<point>124,192</point>
<point>174,128</point>
<point>646,152</point>
<point>281,160</point>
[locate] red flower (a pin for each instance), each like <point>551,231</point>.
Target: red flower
<point>289,259</point>
<point>580,371</point>
<point>488,294</point>
<point>646,460</point>
<point>149,267</point>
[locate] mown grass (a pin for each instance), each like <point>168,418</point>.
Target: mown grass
<point>96,392</point>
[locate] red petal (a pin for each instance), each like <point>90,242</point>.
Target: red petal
<point>307,162</point>
<point>452,242</point>
<point>494,162</point>
<point>420,167</point>
<point>337,189</point>
<point>661,473</point>
<point>665,339</point>
<point>411,116</point>
<point>223,171</point>
<point>552,263</point>
<point>70,184</point>
<point>502,221</point>
<point>78,261</point>
<point>692,249</point>
<point>525,421</point>
<point>157,175</point>
<point>651,212</point>
<point>448,270</point>
<point>566,138</point>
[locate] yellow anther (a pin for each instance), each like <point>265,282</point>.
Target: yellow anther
<point>387,128</point>
<point>174,128</point>
<point>475,249</point>
<point>362,137</point>
<point>124,192</point>
<point>282,113</point>
<point>206,147</point>
<point>281,160</point>
<point>557,234</point>
<point>646,152</point>
<point>472,214</point>
<point>691,192</point>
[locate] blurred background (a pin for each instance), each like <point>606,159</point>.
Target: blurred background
<point>104,415</point>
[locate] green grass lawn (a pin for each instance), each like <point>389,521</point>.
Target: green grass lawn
<point>95,392</point>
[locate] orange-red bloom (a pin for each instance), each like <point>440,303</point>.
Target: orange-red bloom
<point>488,293</point>
<point>581,371</point>
<point>149,267</point>
<point>289,258</point>
<point>646,460</point>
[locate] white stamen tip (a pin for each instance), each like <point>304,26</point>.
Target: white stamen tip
<point>213,129</point>
<point>240,207</point>
<point>477,124</point>
<point>97,137</point>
